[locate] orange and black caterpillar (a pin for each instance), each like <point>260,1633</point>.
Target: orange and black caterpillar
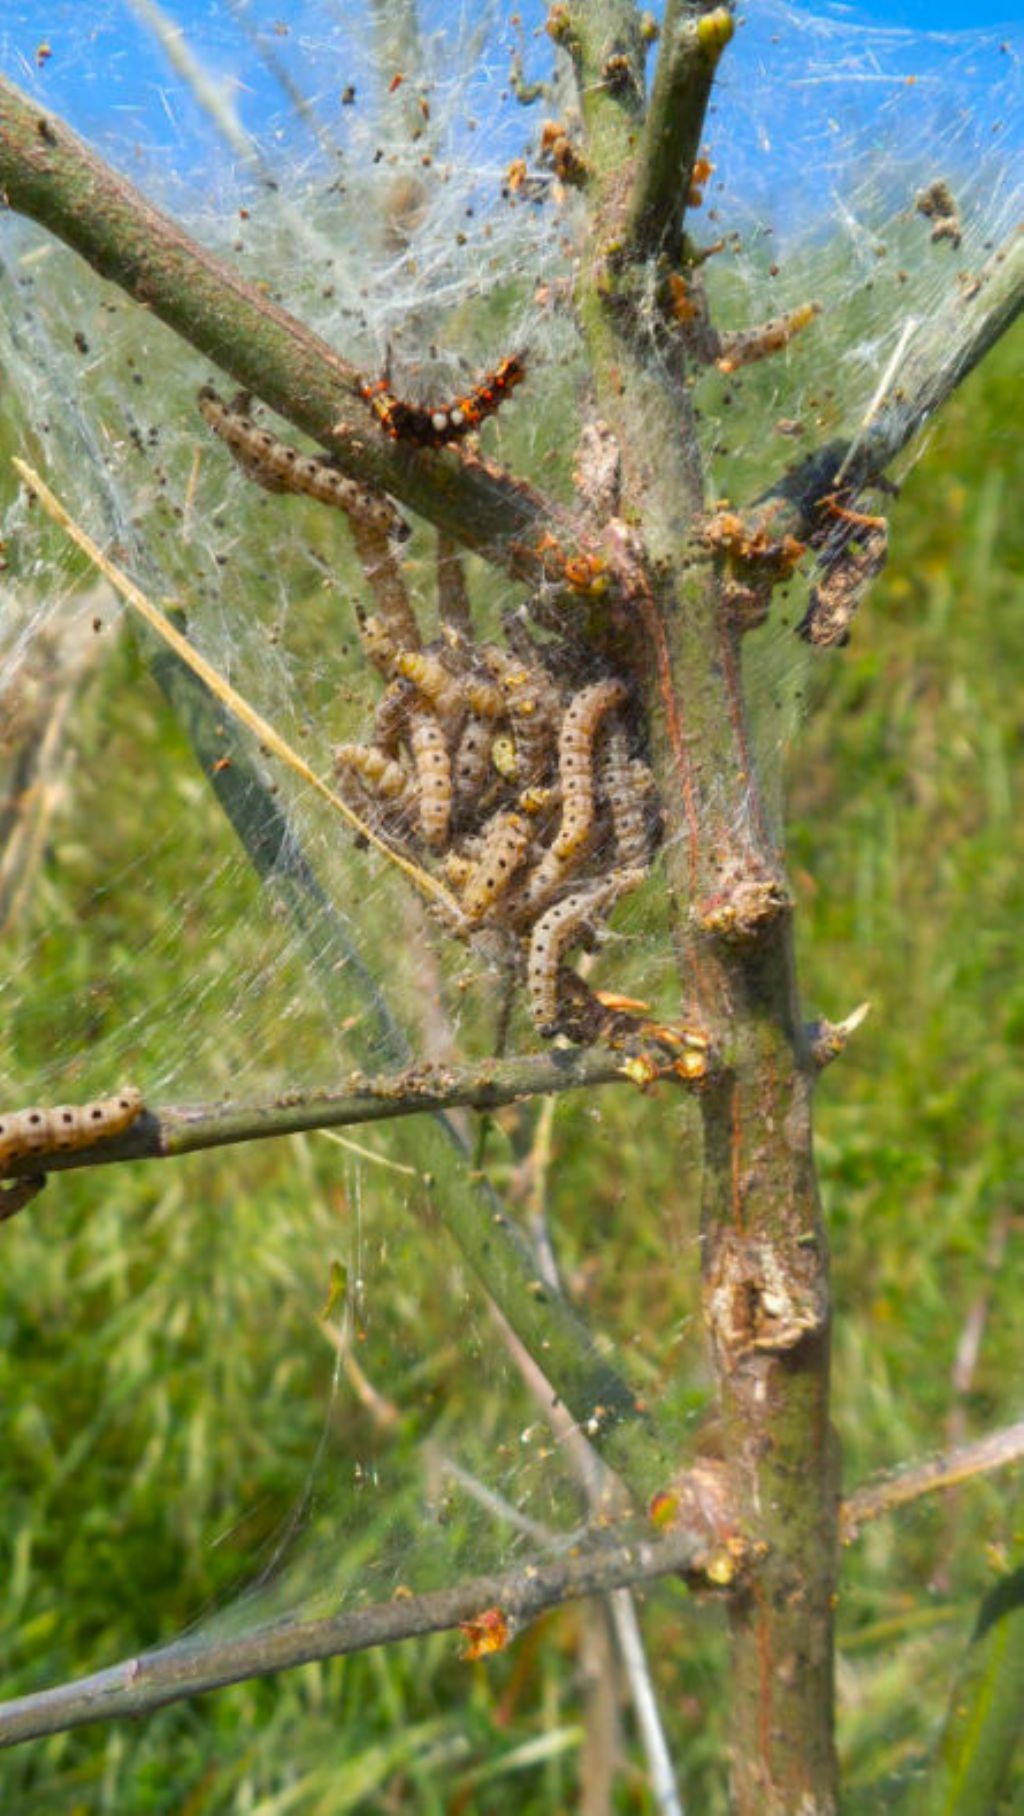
<point>435,426</point>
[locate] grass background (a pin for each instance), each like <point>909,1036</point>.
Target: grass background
<point>165,1383</point>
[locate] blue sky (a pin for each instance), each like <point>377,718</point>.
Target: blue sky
<point>868,75</point>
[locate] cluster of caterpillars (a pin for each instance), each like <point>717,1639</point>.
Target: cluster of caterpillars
<point>512,772</point>
<point>523,791</point>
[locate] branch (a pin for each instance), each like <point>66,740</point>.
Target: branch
<point>693,38</point>
<point>183,1669</point>
<point>949,348</point>
<point>51,176</point>
<point>999,1450</point>
<point>168,1133</point>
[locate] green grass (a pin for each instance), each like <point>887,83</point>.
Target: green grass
<point>170,1401</point>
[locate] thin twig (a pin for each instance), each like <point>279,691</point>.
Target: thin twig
<point>999,1450</point>
<point>664,1788</point>
<point>184,1669</point>
<point>600,1487</point>
<point>965,1362</point>
<point>169,1132</point>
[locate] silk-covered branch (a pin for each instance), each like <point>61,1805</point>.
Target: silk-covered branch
<point>48,174</point>
<point>186,1668</point>
<point>168,1133</point>
<point>945,352</point>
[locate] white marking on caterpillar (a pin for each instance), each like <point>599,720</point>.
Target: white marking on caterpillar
<point>561,927</point>
<point>504,845</point>
<point>576,762</point>
<point>67,1127</point>
<point>628,784</point>
<point>278,467</point>
<point>379,772</point>
<point>434,773</point>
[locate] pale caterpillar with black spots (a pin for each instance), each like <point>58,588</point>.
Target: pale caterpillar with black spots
<point>66,1128</point>
<point>278,467</point>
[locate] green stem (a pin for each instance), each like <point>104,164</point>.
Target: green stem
<point>694,34</point>
<point>187,1668</point>
<point>173,1131</point>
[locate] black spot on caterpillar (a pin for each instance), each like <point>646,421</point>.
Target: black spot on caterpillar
<point>278,467</point>
<point>436,426</point>
<point>67,1127</point>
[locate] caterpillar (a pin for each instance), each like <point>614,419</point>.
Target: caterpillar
<point>628,784</point>
<point>559,928</point>
<point>533,706</point>
<point>278,467</point>
<point>436,426</point>
<point>579,730</point>
<point>67,1127</point>
<point>505,843</point>
<point>847,574</point>
<point>576,762</point>
<point>379,772</point>
<point>430,677</point>
<point>391,714</point>
<point>377,641</point>
<point>484,697</point>
<point>472,761</point>
<point>434,774</point>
